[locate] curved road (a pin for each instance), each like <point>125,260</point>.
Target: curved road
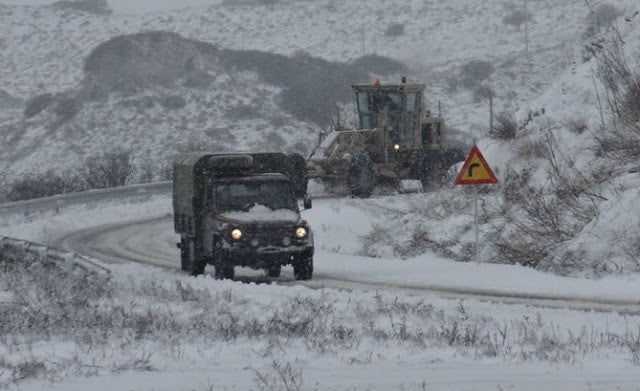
<point>152,241</point>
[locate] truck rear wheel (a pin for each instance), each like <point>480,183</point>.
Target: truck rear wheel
<point>303,270</point>
<point>274,271</point>
<point>197,267</point>
<point>297,173</point>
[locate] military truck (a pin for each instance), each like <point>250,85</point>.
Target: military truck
<point>395,139</point>
<point>241,209</point>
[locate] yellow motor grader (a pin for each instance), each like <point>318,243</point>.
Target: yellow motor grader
<point>396,139</point>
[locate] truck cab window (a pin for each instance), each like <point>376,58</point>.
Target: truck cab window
<point>243,196</point>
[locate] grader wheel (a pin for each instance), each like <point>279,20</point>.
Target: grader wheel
<point>361,178</point>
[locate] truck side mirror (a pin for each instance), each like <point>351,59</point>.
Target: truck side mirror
<point>306,201</point>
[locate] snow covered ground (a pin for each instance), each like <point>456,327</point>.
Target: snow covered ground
<point>152,328</point>
<point>205,334</point>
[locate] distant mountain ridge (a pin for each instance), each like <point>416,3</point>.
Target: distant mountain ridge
<point>98,7</point>
<point>271,79</point>
<point>312,86</point>
<point>130,81</point>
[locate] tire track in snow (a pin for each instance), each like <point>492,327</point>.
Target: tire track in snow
<point>149,241</point>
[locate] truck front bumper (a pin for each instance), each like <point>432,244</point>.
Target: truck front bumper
<point>264,257</point>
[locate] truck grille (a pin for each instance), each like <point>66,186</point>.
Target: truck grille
<point>269,235</point>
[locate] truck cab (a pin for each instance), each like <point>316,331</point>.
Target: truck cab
<point>241,209</point>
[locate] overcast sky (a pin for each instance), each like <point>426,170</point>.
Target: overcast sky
<point>130,6</point>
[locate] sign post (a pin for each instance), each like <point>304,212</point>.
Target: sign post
<point>475,171</point>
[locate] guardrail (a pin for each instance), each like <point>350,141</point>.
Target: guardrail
<point>16,249</point>
<point>60,201</point>
<point>12,248</point>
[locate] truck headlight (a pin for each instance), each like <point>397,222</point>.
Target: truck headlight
<point>236,234</point>
<point>301,232</point>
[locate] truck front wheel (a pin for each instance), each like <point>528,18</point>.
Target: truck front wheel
<point>303,270</point>
<point>184,255</point>
<point>188,261</point>
<point>224,272</point>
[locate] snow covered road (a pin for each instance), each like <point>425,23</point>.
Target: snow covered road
<point>151,240</point>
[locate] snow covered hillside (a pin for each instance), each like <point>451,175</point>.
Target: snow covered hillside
<point>455,46</point>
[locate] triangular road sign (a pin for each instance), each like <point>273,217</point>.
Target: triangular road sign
<point>475,170</point>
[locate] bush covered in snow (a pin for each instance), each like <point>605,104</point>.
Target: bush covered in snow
<point>601,17</point>
<point>98,7</point>
<point>394,30</point>
<point>109,169</point>
<point>621,77</point>
<point>516,18</point>
<point>505,127</point>
<point>36,104</point>
<point>42,185</point>
<point>474,72</point>
<point>119,323</point>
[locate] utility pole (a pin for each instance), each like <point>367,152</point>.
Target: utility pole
<point>57,38</point>
<point>526,30</point>
<point>491,112</point>
<point>363,41</point>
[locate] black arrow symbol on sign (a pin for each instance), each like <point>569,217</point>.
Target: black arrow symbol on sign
<point>471,167</point>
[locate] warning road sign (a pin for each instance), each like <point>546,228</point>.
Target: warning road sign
<point>475,170</point>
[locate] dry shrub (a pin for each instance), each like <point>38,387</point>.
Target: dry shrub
<point>505,127</point>
<point>394,30</point>
<point>35,105</point>
<point>483,92</point>
<point>621,80</point>
<point>516,18</point>
<point>578,125</point>
<point>110,169</point>
<point>474,72</point>
<point>601,17</point>
<point>515,186</point>
<point>42,185</point>
<point>532,148</point>
<point>541,219</point>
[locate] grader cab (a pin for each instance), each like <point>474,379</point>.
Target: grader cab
<point>396,139</point>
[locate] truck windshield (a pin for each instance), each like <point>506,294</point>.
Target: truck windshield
<point>244,195</point>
